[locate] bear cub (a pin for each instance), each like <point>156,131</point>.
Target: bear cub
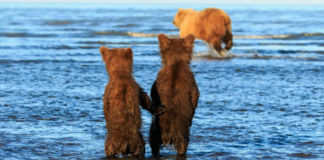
<point>176,89</point>
<point>121,102</point>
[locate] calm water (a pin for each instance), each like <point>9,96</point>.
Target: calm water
<point>265,103</point>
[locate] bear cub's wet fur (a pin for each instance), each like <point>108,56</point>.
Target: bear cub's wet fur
<point>121,102</point>
<point>176,89</point>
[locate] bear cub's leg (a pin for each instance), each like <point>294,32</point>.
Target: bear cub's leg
<point>181,143</point>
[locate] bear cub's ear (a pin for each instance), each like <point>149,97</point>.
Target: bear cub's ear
<point>128,53</point>
<point>104,51</point>
<point>189,39</point>
<point>164,41</point>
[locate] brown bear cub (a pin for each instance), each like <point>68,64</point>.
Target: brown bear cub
<point>176,89</point>
<point>121,102</point>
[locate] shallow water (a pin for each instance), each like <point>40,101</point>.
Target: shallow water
<point>266,102</point>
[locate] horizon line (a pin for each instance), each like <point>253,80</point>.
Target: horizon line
<point>167,3</point>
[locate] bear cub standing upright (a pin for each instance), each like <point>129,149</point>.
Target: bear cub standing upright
<point>121,102</point>
<point>176,89</point>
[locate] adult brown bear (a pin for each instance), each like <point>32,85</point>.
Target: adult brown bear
<point>121,102</point>
<point>176,89</point>
<point>211,25</point>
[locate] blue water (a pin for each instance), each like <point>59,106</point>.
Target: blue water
<point>266,102</point>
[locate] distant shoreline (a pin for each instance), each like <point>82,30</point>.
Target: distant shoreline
<point>159,3</point>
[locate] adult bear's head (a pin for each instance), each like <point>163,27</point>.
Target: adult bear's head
<point>181,14</point>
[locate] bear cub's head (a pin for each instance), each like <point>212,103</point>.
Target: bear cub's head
<point>176,49</point>
<point>119,61</point>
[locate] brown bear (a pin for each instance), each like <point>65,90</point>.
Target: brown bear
<point>211,25</point>
<point>176,89</point>
<point>121,102</point>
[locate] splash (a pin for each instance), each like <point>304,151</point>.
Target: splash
<point>212,53</point>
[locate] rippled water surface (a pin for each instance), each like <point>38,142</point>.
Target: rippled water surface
<point>264,103</point>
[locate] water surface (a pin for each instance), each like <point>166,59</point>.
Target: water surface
<point>264,103</point>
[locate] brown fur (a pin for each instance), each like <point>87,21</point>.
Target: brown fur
<point>121,102</point>
<point>176,89</point>
<point>211,25</point>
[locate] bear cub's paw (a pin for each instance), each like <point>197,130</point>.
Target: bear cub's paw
<point>160,110</point>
